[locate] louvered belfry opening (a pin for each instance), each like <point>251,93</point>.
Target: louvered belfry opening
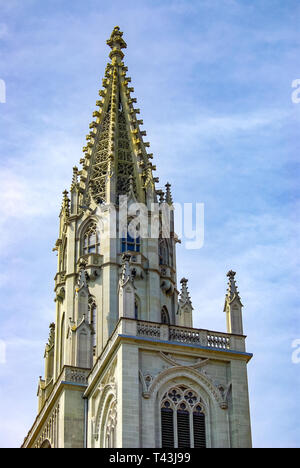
<point>182,419</point>
<point>183,427</point>
<point>199,428</point>
<point>167,426</point>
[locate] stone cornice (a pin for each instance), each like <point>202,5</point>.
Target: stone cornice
<point>127,330</point>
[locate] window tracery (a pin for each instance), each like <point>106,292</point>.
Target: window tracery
<point>165,318</point>
<point>129,243</point>
<point>100,162</point>
<point>125,166</point>
<point>91,240</point>
<point>182,419</point>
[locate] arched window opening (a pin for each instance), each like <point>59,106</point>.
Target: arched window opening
<point>46,444</point>
<point>182,419</point>
<point>137,308</point>
<point>91,240</point>
<point>199,427</point>
<point>130,243</point>
<point>183,426</point>
<point>93,321</point>
<point>64,258</point>
<point>165,318</point>
<point>167,425</point>
<point>62,343</point>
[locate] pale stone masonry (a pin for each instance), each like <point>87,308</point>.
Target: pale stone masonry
<point>124,366</point>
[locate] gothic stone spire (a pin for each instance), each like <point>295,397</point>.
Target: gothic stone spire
<point>116,158</point>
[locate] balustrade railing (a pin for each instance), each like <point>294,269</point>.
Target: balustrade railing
<point>148,329</point>
<point>185,335</point>
<point>218,340</point>
<point>182,335</point>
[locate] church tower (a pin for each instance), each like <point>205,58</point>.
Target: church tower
<point>124,366</point>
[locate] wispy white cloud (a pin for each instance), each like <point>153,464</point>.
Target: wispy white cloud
<point>213,83</point>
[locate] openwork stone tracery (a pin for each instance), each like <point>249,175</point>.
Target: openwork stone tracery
<point>182,418</point>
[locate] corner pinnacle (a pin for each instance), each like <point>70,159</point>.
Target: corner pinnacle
<point>169,199</point>
<point>232,290</point>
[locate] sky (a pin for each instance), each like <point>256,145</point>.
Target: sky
<point>213,80</point>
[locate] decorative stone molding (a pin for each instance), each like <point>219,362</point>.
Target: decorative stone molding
<point>108,394</point>
<point>167,287</point>
<point>148,329</point>
<point>184,335</point>
<point>184,371</point>
<point>60,295</point>
<point>76,375</point>
<point>170,360</point>
<point>146,381</point>
<point>48,436</point>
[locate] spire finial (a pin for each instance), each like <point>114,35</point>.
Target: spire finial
<point>116,43</point>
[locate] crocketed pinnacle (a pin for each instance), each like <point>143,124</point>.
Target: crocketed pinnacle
<point>51,335</point>
<point>169,199</point>
<point>75,177</point>
<point>184,294</point>
<point>65,208</point>
<point>232,291</point>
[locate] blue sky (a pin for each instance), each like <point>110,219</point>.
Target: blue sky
<point>213,82</point>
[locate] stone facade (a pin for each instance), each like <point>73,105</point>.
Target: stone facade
<point>123,353</point>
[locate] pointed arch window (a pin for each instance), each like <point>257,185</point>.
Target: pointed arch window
<point>136,308</point>
<point>165,318</point>
<point>167,425</point>
<point>46,444</point>
<point>182,419</point>
<point>62,342</point>
<point>132,244</point>
<point>64,257</point>
<point>91,240</point>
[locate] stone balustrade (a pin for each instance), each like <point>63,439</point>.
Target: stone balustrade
<point>200,337</point>
<point>131,328</point>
